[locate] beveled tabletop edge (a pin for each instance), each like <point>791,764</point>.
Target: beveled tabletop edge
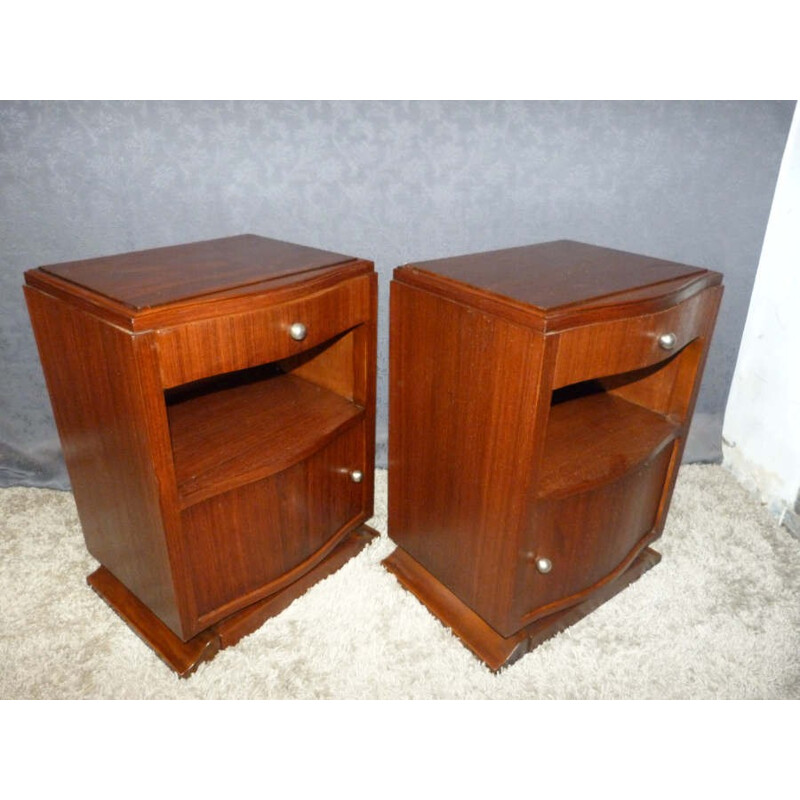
<point>236,300</point>
<point>642,299</point>
<point>144,267</point>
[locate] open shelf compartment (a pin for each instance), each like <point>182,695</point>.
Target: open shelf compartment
<point>241,427</point>
<point>595,436</point>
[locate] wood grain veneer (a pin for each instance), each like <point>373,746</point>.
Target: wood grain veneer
<point>594,439</point>
<point>164,275</point>
<point>536,424</point>
<point>558,285</point>
<point>212,455</point>
<point>224,437</point>
<point>115,443</point>
<point>195,350</point>
<point>281,526</point>
<point>611,348</point>
<point>451,481</point>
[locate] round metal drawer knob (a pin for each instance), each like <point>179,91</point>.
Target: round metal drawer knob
<point>667,341</point>
<point>356,476</point>
<point>544,565</point>
<point>298,331</point>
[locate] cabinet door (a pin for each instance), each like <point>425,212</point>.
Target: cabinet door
<point>588,538</point>
<point>247,543</point>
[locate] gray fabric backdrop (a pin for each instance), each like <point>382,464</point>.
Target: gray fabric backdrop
<point>390,181</point>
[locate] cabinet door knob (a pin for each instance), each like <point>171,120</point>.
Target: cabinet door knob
<point>544,565</point>
<point>356,476</point>
<point>667,341</point>
<point>298,331</point>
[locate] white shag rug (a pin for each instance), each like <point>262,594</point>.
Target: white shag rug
<point>718,618</point>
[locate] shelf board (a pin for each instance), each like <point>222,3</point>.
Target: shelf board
<point>242,433</point>
<point>597,438</point>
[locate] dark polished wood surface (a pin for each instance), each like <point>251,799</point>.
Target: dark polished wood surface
<point>194,349</point>
<point>621,345</point>
<point>553,279</point>
<point>597,438</point>
<point>460,383</point>
<point>294,416</point>
<point>263,534</point>
<point>211,454</point>
<point>537,419</point>
<point>163,275</point>
<point>110,415</point>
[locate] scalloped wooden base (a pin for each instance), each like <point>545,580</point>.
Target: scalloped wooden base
<point>185,657</point>
<point>486,643</point>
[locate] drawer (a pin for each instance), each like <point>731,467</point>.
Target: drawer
<point>609,348</point>
<point>226,343</point>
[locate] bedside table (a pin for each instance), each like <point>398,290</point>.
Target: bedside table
<point>216,408</point>
<point>540,399</point>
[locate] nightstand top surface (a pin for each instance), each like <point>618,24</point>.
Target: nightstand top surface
<point>557,275</point>
<point>147,278</point>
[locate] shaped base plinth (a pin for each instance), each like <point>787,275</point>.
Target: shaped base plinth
<point>185,657</point>
<point>485,642</point>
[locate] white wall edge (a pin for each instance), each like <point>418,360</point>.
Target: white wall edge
<point>761,430</point>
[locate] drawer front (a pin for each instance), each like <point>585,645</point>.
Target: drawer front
<point>609,348</point>
<point>221,344</point>
<point>249,542</point>
<point>585,538</point>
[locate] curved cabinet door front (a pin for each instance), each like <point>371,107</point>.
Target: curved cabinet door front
<point>245,544</point>
<point>576,544</point>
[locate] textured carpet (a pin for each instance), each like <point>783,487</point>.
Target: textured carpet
<point>718,618</point>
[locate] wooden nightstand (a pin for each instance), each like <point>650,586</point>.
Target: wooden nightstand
<point>216,407</point>
<point>539,403</point>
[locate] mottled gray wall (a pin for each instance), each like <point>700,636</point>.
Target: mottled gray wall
<point>390,181</point>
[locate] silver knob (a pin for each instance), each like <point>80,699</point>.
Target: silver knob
<point>356,476</point>
<point>297,331</point>
<point>667,341</point>
<point>544,565</point>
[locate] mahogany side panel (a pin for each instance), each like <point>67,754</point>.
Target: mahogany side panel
<point>684,399</point>
<point>365,361</point>
<point>330,365</point>
<point>663,388</point>
<point>465,388</point>
<point>113,430</point>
